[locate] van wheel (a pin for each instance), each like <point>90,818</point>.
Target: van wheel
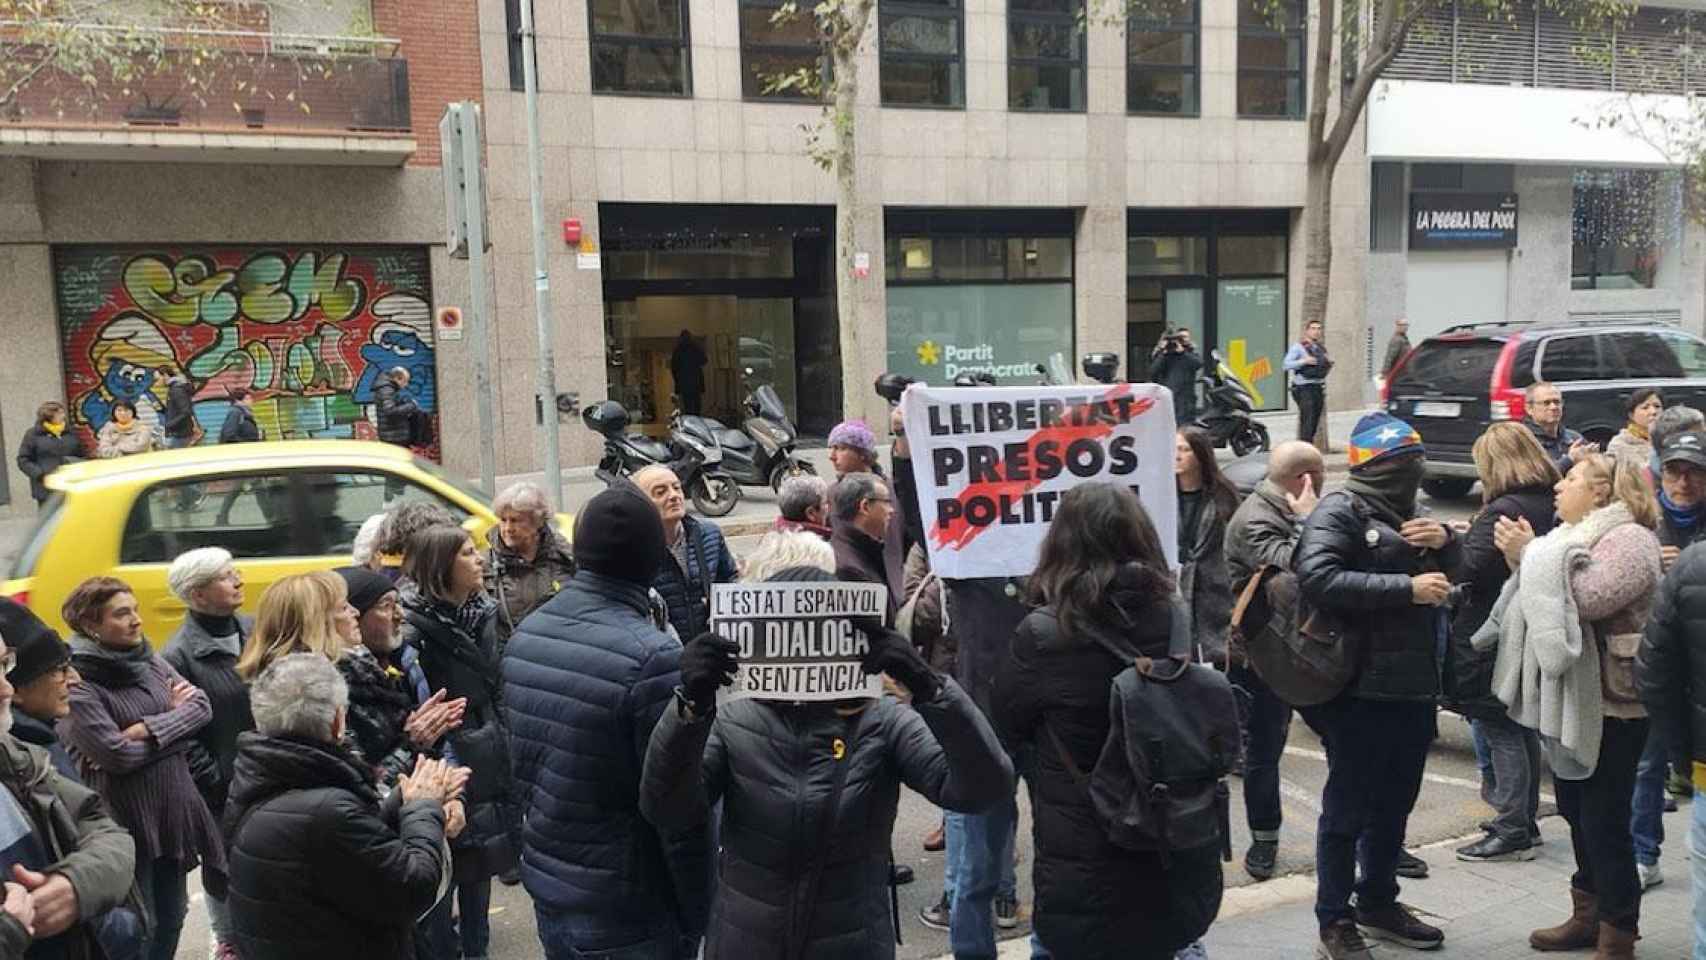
<point>1447,488</point>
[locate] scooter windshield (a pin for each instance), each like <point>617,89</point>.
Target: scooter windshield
<point>769,404</point>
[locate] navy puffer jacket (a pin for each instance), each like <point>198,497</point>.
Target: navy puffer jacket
<point>586,677</point>
<point>687,592</point>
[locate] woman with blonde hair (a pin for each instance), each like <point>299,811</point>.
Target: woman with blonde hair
<point>1516,484</point>
<point>307,612</point>
<point>1577,603</point>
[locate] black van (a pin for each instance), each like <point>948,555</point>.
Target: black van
<point>1452,386</point>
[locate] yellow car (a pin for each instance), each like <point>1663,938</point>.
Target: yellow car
<point>280,508</point>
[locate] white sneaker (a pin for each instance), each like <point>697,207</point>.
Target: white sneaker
<point>1651,876</point>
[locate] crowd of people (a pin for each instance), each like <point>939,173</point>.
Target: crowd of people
<point>353,767</point>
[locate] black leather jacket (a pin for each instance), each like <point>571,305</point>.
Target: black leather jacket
<point>1671,667</point>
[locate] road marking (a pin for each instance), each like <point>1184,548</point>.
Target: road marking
<point>1438,778</point>
<point>1298,795</point>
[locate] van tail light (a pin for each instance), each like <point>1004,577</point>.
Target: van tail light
<point>1391,375</point>
<point>1506,402</point>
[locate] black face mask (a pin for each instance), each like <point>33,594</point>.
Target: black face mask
<point>1390,487</point>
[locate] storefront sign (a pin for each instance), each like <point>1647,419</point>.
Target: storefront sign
<point>992,463</point>
<point>1462,221</point>
<point>798,641</point>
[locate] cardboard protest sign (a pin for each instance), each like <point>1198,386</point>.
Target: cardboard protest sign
<point>798,640</point>
<point>992,463</point>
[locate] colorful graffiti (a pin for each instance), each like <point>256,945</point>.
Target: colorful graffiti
<point>308,331</point>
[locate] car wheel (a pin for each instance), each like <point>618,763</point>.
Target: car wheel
<point>1447,488</point>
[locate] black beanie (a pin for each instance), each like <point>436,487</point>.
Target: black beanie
<point>619,534</point>
<point>33,642</point>
<point>366,587</point>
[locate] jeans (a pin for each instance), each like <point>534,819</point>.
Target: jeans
<point>1376,752</point>
<point>574,936</point>
<point>1268,723</point>
<point>219,920</point>
<point>1514,791</point>
<point>985,856</point>
<point>163,884</point>
<point>1647,806</point>
<point>1697,869</point>
<point>1597,810</point>
<point>468,934</point>
<point>1483,760</point>
<point>1311,398</point>
<point>954,851</point>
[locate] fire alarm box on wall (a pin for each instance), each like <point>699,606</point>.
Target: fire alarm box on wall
<point>572,231</point>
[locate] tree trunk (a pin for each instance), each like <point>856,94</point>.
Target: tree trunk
<point>844,50</point>
<point>1318,259</point>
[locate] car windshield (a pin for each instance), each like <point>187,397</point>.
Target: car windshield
<point>1449,367</point>
<point>468,487</point>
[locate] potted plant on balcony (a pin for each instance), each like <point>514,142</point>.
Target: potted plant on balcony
<point>148,113</point>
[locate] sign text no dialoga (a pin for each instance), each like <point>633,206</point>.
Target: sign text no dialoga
<point>798,641</point>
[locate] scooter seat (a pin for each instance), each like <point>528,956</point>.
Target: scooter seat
<point>649,448</point>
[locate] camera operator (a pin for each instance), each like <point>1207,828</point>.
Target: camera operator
<point>1174,364</point>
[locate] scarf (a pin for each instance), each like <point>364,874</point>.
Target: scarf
<point>54,428</point>
<point>1391,491</point>
<point>110,667</point>
<point>1681,519</point>
<point>1639,432</point>
<point>224,630</point>
<point>469,617</point>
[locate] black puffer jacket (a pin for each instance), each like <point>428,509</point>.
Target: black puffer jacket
<point>774,766</point>
<point>687,592</point>
<point>41,453</point>
<point>320,867</point>
<point>1094,901</point>
<point>1481,573</point>
<point>396,411</point>
<point>1672,663</point>
<point>1354,568</point>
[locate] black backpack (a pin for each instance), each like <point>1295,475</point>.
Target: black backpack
<point>1159,784</point>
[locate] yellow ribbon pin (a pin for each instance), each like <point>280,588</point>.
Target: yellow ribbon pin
<point>838,748</point>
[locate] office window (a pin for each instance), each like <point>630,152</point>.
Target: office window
<point>1162,68</point>
<point>639,46</point>
<point>769,51</point>
<point>517,59</point>
<point>1616,234</point>
<point>1270,59</point>
<point>922,46</point>
<point>1045,55</point>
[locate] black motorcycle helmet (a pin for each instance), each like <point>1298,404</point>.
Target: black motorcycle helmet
<point>1101,367</point>
<point>608,418</point>
<point>981,378</point>
<point>891,385</point>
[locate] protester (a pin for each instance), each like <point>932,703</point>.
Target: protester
<point>904,483</point>
<point>696,555</point>
<point>1544,404</point>
<point>129,714</point>
<point>1308,364</point>
<point>852,448</point>
<point>1672,672</point>
<point>394,715</point>
<point>77,864</point>
<point>687,369</point>
<point>784,549</point>
<point>1370,566</point>
<point>204,652</point>
<point>239,425</point>
<point>395,408</point>
<point>404,521</point>
<point>452,622</point>
<point>1101,580</point>
<point>46,447</point>
<point>1633,444</point>
<point>321,867</point>
<point>1671,421</point>
<point>528,561</point>
<point>364,550</point>
<point>1517,478</point>
<point>756,759</point>
<point>1174,364</point>
<point>803,503</point>
<point>864,512</point>
<point>1583,620</point>
<point>1206,501</point>
<point>586,679</point>
<point>301,613</point>
<point>180,424</point>
<point>124,434</point>
<point>1263,532</point>
<point>1396,347</point>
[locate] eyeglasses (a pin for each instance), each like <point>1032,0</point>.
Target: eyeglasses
<point>1549,403</point>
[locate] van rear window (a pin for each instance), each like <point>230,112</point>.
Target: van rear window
<point>1463,367</point>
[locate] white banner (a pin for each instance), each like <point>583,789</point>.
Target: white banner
<point>798,640</point>
<point>993,462</point>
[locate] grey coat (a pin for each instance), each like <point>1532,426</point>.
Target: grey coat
<point>1262,532</point>
<point>773,767</point>
<point>1204,583</point>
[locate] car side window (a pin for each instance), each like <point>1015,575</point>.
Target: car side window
<point>249,516</point>
<point>1522,365</point>
<point>1570,358</point>
<point>338,503</point>
<point>1690,354</point>
<point>1638,355</point>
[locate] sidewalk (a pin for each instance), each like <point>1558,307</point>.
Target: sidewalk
<point>1485,909</point>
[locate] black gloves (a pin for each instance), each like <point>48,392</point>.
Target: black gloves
<point>894,655</point>
<point>706,664</point>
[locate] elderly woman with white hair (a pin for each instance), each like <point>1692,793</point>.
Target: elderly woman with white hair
<point>528,561</point>
<point>204,651</point>
<point>320,865</point>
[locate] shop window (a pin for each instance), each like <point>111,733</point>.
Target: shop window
<point>1038,258</point>
<point>1618,228</point>
<point>1166,256</point>
<point>1162,68</point>
<point>770,51</point>
<point>1270,59</point>
<point>1250,256</point>
<point>1045,55</point>
<point>1389,207</point>
<point>639,46</point>
<point>921,44</point>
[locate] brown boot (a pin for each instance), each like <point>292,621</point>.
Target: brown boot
<point>1577,933</point>
<point>1615,944</point>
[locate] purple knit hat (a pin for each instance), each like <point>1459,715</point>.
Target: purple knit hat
<point>855,434</point>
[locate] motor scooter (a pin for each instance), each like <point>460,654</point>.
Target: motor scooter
<point>696,462</point>
<point>761,453</point>
<point>1227,414</point>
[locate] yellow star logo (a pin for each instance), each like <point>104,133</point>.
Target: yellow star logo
<point>1246,370</point>
<point>929,354</point>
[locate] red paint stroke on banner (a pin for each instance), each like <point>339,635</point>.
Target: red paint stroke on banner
<point>961,532</point>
